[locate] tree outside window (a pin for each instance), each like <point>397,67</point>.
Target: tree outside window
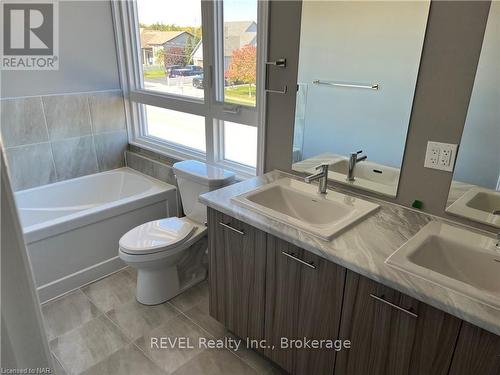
<point>242,71</point>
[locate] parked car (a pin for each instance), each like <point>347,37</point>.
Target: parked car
<point>186,71</point>
<point>198,81</point>
<point>170,68</point>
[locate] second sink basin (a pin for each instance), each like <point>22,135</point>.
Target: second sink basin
<point>459,259</point>
<point>300,205</point>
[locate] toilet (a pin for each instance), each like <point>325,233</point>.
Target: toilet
<point>168,253</point>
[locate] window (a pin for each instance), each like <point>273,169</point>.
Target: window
<point>171,55</point>
<point>193,71</point>
<point>240,143</point>
<point>239,52</point>
<point>179,128</point>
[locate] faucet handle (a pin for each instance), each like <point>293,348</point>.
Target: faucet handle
<point>323,166</point>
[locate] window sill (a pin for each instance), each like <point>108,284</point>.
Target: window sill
<point>164,149</point>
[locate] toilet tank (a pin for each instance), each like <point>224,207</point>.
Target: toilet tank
<point>195,178</point>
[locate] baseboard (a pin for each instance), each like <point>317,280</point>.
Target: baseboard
<point>78,279</point>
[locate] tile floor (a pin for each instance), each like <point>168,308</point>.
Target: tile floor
<point>101,329</point>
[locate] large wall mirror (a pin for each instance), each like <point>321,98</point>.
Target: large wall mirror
<point>358,68</point>
<point>475,189</point>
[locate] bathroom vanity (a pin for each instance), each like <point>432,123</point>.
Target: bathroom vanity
<point>413,293</point>
<point>269,280</point>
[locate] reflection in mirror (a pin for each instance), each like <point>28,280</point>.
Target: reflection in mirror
<point>358,67</point>
<point>475,189</point>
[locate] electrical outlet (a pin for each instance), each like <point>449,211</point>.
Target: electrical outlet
<point>445,157</point>
<point>440,156</point>
<point>434,153</point>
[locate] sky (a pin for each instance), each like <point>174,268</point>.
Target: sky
<point>188,12</point>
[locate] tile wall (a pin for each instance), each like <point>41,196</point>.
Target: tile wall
<point>150,163</point>
<point>58,137</point>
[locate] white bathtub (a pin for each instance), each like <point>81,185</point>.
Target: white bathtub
<point>72,227</point>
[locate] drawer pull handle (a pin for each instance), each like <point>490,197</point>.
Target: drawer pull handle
<point>231,228</point>
<point>381,299</point>
<point>310,265</point>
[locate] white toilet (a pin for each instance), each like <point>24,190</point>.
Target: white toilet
<point>157,248</point>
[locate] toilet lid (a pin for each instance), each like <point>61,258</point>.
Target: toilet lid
<point>156,236</point>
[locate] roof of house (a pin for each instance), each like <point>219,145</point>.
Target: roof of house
<point>198,50</point>
<point>238,34</point>
<point>155,37</point>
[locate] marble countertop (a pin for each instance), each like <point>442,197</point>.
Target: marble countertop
<point>363,248</point>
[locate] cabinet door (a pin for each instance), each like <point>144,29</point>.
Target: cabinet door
<point>320,306</point>
<point>303,300</point>
<point>392,333</point>
<point>237,255</point>
<point>477,352</point>
<point>282,300</point>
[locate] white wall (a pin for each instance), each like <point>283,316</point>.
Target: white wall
<point>365,42</point>
<point>478,160</point>
<point>87,52</point>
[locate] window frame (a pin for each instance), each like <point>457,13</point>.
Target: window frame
<point>126,25</point>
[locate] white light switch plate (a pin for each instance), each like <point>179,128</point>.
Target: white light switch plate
<point>440,156</point>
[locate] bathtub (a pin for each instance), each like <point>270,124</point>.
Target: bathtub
<point>72,227</point>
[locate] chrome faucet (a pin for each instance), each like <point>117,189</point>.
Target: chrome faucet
<point>353,160</point>
<point>322,176</point>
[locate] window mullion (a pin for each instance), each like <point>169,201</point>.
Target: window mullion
<point>135,56</point>
<point>176,104</point>
<point>207,19</point>
<point>262,56</point>
<point>218,51</point>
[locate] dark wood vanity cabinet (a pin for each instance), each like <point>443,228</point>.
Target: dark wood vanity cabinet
<point>303,300</point>
<point>392,333</point>
<point>262,287</point>
<point>477,352</point>
<point>237,273</point>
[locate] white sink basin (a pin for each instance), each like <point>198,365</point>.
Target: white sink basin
<point>478,204</point>
<point>461,260</point>
<point>300,205</point>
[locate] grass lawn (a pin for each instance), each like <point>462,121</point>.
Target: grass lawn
<point>156,73</point>
<point>239,95</point>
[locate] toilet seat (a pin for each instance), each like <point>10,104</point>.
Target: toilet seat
<point>156,236</point>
